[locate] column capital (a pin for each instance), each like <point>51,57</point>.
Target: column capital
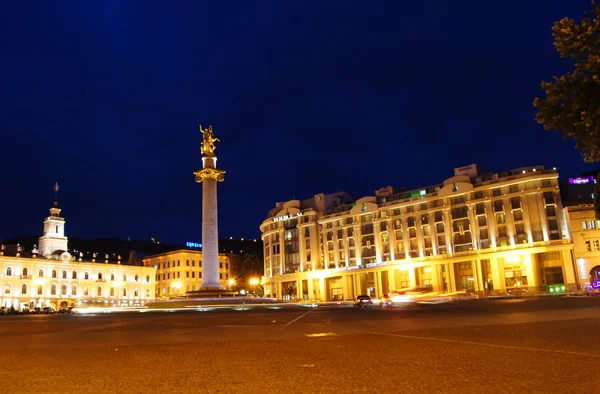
<point>209,173</point>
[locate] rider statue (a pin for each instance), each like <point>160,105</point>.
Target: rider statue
<point>208,141</point>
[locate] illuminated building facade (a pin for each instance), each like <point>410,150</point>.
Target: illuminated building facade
<point>488,233</point>
<point>578,194</point>
<point>58,279</point>
<point>180,271</point>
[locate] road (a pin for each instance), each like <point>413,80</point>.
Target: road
<point>521,345</point>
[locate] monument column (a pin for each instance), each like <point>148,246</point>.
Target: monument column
<point>209,175</point>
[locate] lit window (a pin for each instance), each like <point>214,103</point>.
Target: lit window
<point>584,225</point>
<point>592,224</point>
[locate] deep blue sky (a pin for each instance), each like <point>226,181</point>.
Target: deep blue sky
<point>104,98</point>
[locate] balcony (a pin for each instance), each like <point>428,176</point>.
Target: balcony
<point>100,280</point>
<point>25,277</point>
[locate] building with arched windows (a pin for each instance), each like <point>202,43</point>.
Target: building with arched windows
<point>53,277</point>
<point>487,233</point>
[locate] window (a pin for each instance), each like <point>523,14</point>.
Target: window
<point>136,291</point>
<point>148,293</point>
<point>40,290</point>
<point>226,266</point>
<point>112,276</point>
<point>53,290</point>
<point>220,265</point>
<point>74,290</point>
<point>74,275</point>
<point>592,224</point>
<point>24,289</point>
<point>500,218</point>
<point>588,246</point>
<point>496,192</point>
<point>220,275</point>
<point>518,215</point>
<point>86,275</point>
<point>124,292</point>
<point>99,275</point>
<point>187,274</point>
<point>54,273</point>
<point>64,275</point>
<point>8,271</point>
<point>193,274</point>
<point>124,277</point>
<point>63,290</point>
<point>7,288</point>
<point>187,263</point>
<point>112,291</point>
<point>99,293</point>
<point>584,225</point>
<point>148,278</point>
<point>25,272</point>
<point>85,291</point>
<point>193,263</point>
<point>546,183</point>
<point>498,206</point>
<point>514,188</point>
<point>41,273</point>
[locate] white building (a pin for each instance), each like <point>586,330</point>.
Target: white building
<point>58,280</point>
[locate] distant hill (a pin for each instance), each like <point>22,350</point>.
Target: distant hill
<point>121,247</point>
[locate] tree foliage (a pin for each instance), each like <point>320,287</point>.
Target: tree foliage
<point>572,102</point>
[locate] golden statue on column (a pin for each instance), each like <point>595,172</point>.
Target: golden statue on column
<point>208,141</point>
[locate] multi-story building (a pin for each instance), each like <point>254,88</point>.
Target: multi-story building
<point>180,271</point>
<point>476,231</point>
<point>578,196</point>
<point>53,277</point>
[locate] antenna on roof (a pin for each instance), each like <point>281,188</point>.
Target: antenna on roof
<point>56,188</point>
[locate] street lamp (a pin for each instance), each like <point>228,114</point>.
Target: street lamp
<point>231,283</point>
<point>254,282</point>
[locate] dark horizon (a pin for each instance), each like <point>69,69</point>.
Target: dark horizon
<point>105,99</point>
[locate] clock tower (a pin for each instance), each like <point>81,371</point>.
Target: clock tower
<point>54,230</point>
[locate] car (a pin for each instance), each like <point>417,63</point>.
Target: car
<point>386,300</point>
<point>47,311</point>
<point>415,295</point>
<point>363,301</point>
<point>67,310</point>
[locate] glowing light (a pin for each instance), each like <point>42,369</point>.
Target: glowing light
<point>513,259</point>
<point>231,282</point>
<point>177,285</point>
<point>254,281</point>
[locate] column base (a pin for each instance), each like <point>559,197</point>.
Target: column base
<point>211,286</point>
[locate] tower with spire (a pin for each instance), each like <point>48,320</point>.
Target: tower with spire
<point>54,238</point>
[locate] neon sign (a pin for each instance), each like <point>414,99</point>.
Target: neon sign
<point>286,217</point>
<point>582,180</point>
<point>193,245</point>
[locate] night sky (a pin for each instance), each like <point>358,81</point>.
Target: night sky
<point>105,97</point>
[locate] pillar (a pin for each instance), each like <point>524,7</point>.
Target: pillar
<point>322,296</point>
<point>497,279</point>
<point>392,279</point>
<point>530,268</point>
<point>412,277</point>
<point>451,277</point>
<point>210,226</point>
<point>569,271</point>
